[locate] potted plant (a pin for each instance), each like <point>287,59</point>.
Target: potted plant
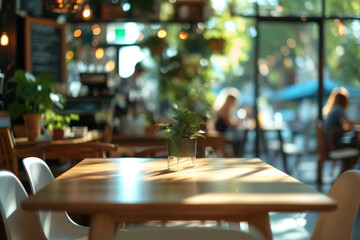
<point>182,132</point>
<point>57,123</point>
<point>32,97</point>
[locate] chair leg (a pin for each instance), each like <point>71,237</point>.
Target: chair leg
<point>319,172</point>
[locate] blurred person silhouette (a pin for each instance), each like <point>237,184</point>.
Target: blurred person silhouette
<point>225,107</point>
<point>336,123</point>
<point>227,121</point>
<point>128,100</point>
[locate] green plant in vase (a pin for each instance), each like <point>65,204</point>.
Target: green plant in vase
<point>58,123</point>
<point>182,132</point>
<point>32,97</point>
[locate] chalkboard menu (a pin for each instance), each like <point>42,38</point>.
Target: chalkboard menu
<point>45,48</point>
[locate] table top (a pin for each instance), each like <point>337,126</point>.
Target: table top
<point>92,135</point>
<point>143,189</point>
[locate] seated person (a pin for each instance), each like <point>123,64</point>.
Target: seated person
<point>225,110</point>
<point>227,121</point>
<point>336,124</point>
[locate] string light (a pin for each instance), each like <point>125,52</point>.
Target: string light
<point>4,40</point>
<point>63,6</point>
<point>87,12</point>
<point>341,29</point>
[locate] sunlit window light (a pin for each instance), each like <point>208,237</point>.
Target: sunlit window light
<point>128,57</point>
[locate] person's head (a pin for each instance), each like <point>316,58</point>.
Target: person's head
<point>139,67</point>
<point>338,96</point>
<point>342,98</point>
<point>227,96</point>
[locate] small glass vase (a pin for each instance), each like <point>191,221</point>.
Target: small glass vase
<point>186,157</point>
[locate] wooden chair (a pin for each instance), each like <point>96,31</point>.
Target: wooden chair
<point>8,157</point>
<point>74,151</point>
<point>332,154</point>
<point>151,151</point>
<point>108,133</point>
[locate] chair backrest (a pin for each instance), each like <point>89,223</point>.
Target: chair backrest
<point>38,172</point>
<point>57,225</point>
<point>321,147</point>
<point>19,224</point>
<point>8,158</point>
<point>186,233</point>
<point>74,151</point>
<point>108,133</point>
<point>338,224</point>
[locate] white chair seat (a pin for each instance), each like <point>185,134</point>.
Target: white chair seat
<point>19,224</point>
<point>343,153</point>
<point>56,225</point>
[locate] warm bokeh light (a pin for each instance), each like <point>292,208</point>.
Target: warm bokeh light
<point>96,30</point>
<point>141,37</point>
<point>69,55</point>
<point>285,50</point>
<point>279,8</point>
<point>288,63</point>
<point>291,43</point>
<point>95,43</point>
<point>183,35</point>
<point>99,54</point>
<point>4,40</point>
<point>341,29</point>
<point>87,12</point>
<point>162,33</point>
<point>77,33</point>
<point>110,66</point>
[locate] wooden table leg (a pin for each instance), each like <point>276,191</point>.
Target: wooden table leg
<point>262,223</point>
<point>102,226</point>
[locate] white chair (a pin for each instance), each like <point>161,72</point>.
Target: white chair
<point>339,224</point>
<point>19,224</point>
<point>56,225</point>
<point>185,233</point>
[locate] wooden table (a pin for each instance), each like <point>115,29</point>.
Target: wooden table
<point>215,140</point>
<point>25,148</point>
<point>118,190</point>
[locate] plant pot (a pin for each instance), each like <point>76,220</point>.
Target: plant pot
<point>186,156</point>
<point>58,134</point>
<point>32,126</point>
